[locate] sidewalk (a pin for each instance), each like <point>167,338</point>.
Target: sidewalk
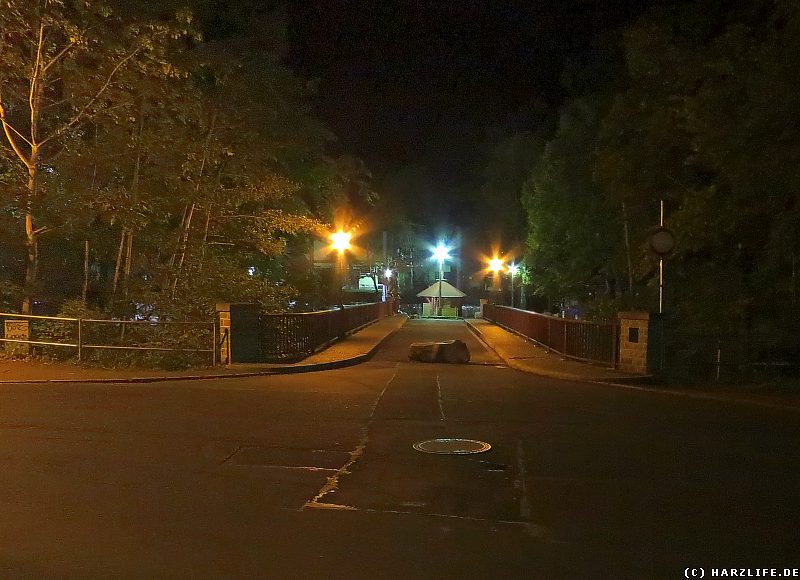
<point>525,356</point>
<point>354,349</point>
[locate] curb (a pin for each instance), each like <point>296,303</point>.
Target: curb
<point>285,370</point>
<point>516,366</point>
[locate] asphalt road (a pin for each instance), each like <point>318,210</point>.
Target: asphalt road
<point>315,476</point>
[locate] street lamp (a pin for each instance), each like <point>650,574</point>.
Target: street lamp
<point>495,265</point>
<point>512,269</point>
<point>340,241</point>
<point>440,254</point>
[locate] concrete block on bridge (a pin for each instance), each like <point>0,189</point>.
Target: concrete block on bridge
<point>450,351</point>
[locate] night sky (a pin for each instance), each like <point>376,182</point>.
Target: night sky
<point>425,85</point>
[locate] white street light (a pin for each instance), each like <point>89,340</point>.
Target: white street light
<point>440,254</point>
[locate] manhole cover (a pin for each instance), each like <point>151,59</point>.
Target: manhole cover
<point>452,446</point>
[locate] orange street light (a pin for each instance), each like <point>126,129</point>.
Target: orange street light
<point>340,241</point>
<point>496,264</point>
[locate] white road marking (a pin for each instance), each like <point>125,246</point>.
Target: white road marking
<point>355,454</point>
<point>439,390</point>
<point>535,530</point>
<point>286,467</point>
<point>689,395</point>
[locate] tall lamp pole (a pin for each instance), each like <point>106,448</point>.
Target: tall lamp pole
<point>440,254</point>
<point>495,265</point>
<point>340,241</point>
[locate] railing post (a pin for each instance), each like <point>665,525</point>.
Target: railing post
<point>80,339</point>
<point>213,344</point>
<point>614,345</point>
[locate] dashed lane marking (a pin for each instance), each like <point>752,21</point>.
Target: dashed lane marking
<point>439,391</point>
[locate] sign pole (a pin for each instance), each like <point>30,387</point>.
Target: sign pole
<point>661,267</point>
<point>441,275</point>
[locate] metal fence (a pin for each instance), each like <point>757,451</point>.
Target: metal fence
<point>293,336</point>
<point>689,357</point>
<point>20,332</point>
<point>577,339</point>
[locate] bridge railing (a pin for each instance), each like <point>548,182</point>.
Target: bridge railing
<point>84,337</point>
<point>578,339</point>
<point>294,336</point>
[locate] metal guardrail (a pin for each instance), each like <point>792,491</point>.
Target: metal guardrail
<point>293,336</point>
<point>85,333</point>
<point>756,357</point>
<point>577,339</point>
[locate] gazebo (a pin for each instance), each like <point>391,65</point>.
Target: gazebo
<point>451,299</point>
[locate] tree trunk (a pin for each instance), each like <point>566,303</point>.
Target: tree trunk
<point>127,271</point>
<point>31,234</point>
<point>205,238</point>
<point>32,265</point>
<point>628,249</point>
<point>187,222</point>
<point>85,289</point>
<point>134,197</point>
<point>118,266</point>
<point>184,241</point>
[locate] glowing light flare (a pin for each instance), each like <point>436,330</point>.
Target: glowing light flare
<point>513,269</point>
<point>496,264</point>
<point>387,273</point>
<point>340,241</point>
<point>440,253</point>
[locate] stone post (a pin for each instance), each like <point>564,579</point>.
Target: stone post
<point>224,330</point>
<point>634,332</point>
<point>16,330</point>
<point>241,324</point>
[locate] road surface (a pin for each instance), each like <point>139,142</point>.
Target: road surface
<point>315,476</point>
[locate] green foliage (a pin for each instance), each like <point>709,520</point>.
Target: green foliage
<point>574,230</point>
<point>189,167</point>
<point>707,120</point>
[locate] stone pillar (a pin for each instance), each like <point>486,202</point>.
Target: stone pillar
<point>634,331</point>
<point>224,330</point>
<point>241,323</point>
<point>16,330</point>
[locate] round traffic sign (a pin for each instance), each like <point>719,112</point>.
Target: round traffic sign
<point>662,241</point>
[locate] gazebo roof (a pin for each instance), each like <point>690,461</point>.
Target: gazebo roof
<point>448,291</point>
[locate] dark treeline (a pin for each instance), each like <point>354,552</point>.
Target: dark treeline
<point>694,106</point>
<point>158,157</point>
<point>698,109</point>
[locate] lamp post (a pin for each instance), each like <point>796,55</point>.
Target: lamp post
<point>340,241</point>
<point>387,274</point>
<point>440,254</point>
<point>495,265</point>
<point>512,269</point>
